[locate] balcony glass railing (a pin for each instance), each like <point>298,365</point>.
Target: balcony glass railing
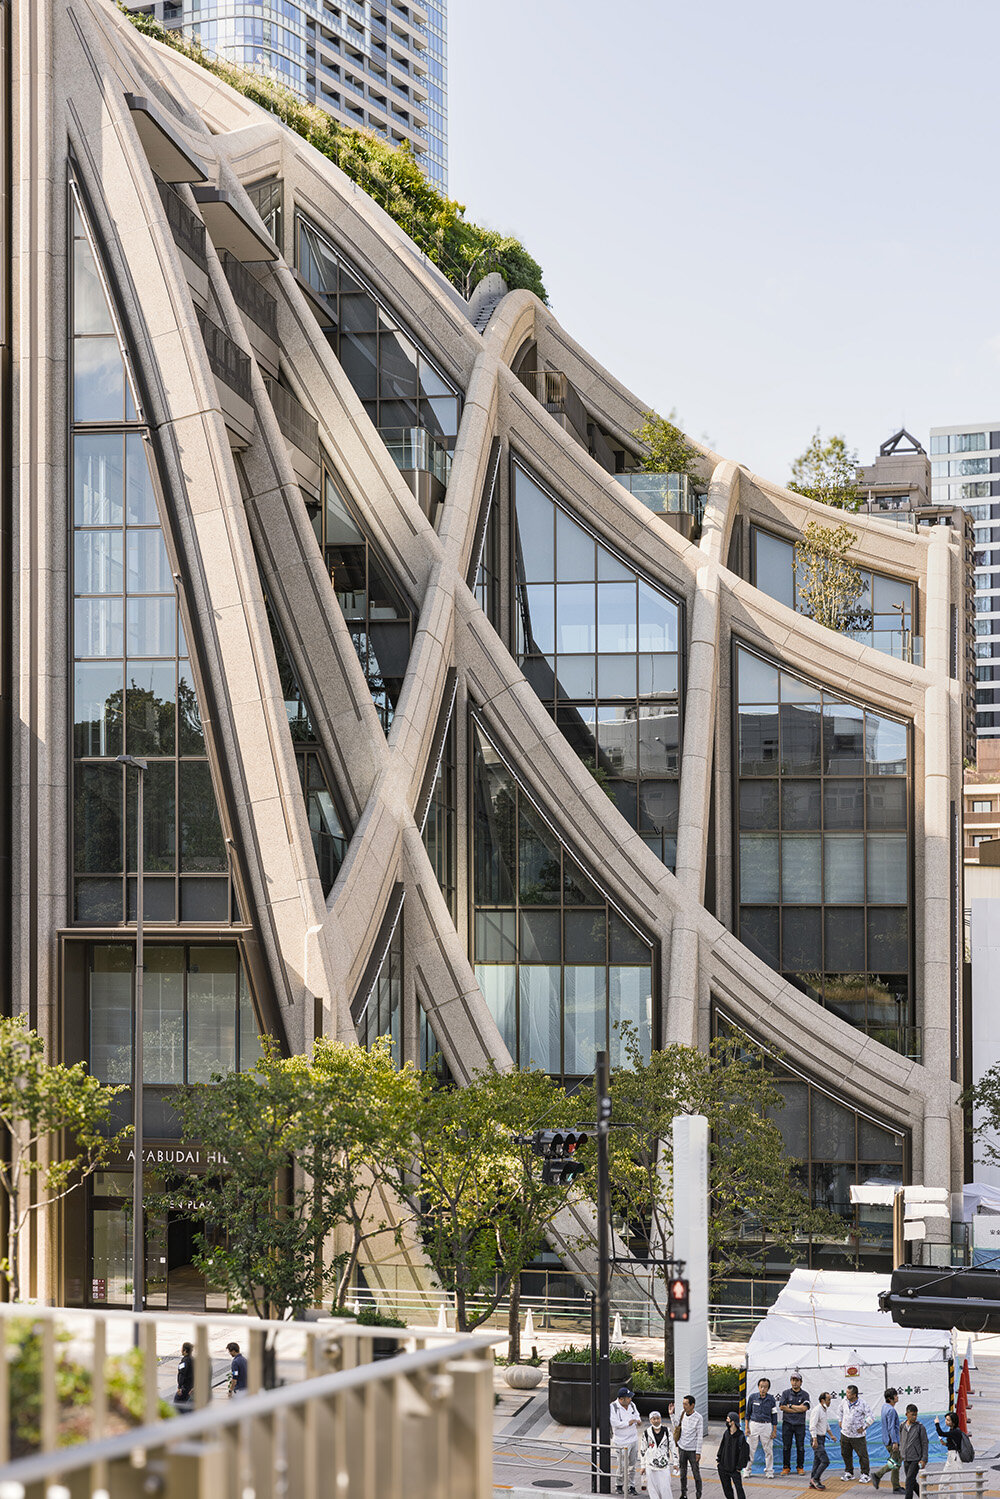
<point>664,494</point>
<point>902,644</point>
<point>227,360</point>
<point>414,448</point>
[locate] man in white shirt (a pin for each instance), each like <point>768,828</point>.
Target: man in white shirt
<point>819,1429</point>
<point>855,1418</point>
<point>625,1424</point>
<point>689,1446</point>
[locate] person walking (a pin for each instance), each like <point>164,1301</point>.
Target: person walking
<point>913,1450</point>
<point>732,1458</point>
<point>184,1394</point>
<point>690,1436</point>
<point>793,1404</point>
<point>762,1426</point>
<point>237,1370</point>
<point>890,1441</point>
<point>819,1430</point>
<point>855,1418</point>
<point>952,1439</point>
<point>654,1457</point>
<point>625,1426</point>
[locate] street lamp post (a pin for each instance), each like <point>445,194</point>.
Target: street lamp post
<point>138,1235</point>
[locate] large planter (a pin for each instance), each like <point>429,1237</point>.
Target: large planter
<point>569,1390</point>
<point>523,1376</point>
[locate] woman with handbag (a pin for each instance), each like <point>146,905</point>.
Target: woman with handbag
<point>654,1457</point>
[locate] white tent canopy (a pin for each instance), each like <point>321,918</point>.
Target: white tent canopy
<point>826,1319</point>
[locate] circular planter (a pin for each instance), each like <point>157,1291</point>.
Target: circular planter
<point>569,1390</point>
<point>523,1376</point>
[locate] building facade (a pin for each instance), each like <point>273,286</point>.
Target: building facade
<point>454,729</point>
<point>965,470</point>
<point>369,63</point>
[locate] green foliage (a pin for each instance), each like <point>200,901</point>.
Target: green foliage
<point>464,251</point>
<point>74,1384</point>
<point>574,1353</point>
<point>652,1379</point>
<point>756,1202</point>
<point>828,472</point>
<point>667,449</point>
<point>982,1101</point>
<point>830,587</point>
<point>57,1121</point>
<point>600,775</point>
<point>370,1316</point>
<point>475,1187</point>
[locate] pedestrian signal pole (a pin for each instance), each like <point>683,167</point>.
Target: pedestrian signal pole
<point>603,1080</point>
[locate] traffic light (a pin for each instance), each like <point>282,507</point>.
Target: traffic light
<point>678,1309</point>
<point>558,1149</point>
<point>921,1296</point>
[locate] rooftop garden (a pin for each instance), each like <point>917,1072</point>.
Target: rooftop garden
<point>464,251</point>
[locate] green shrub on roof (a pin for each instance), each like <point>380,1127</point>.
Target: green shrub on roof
<point>465,252</point>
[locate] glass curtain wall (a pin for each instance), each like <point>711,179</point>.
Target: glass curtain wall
<point>268,197</point>
<point>198,1020</point>
<point>395,380</point>
<point>890,600</point>
<point>560,969</point>
<point>326,823</point>
<point>133,685</point>
<point>378,616</point>
<point>823,849</point>
<point>837,1147</point>
<point>440,823</point>
<point>601,647</point>
<point>382,1012</point>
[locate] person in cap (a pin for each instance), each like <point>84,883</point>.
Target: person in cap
<point>654,1457</point>
<point>794,1406</point>
<point>625,1425</point>
<point>732,1457</point>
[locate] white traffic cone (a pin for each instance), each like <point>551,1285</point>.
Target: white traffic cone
<point>529,1325</point>
<point>442,1321</point>
<point>357,1306</point>
<point>616,1336</point>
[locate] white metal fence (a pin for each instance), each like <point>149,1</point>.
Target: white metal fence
<point>419,1423</point>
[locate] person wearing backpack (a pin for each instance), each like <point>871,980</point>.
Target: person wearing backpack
<point>955,1440</point>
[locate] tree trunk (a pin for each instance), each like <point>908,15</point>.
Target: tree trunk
<point>514,1322</point>
<point>13,1274</point>
<point>460,1312</point>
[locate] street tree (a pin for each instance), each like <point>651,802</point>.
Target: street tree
<point>266,1224</point>
<point>667,450</point>
<point>983,1101</point>
<point>475,1186</point>
<point>827,471</point>
<point>59,1125</point>
<point>830,587</point>
<point>369,1102</point>
<point>756,1200</point>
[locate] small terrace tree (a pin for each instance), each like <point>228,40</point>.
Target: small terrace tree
<point>827,471</point>
<point>830,587</point>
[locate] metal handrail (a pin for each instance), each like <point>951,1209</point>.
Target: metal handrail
<point>185,225</point>
<point>250,297</point>
<point>48,1466</point>
<point>227,360</point>
<point>299,426</point>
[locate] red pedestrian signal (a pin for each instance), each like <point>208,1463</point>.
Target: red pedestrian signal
<point>677,1300</point>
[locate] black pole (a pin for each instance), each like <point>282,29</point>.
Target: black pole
<point>593,1393</point>
<point>604,1269</point>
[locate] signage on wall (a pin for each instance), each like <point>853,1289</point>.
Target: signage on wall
<point>98,1290</point>
<point>193,1157</point>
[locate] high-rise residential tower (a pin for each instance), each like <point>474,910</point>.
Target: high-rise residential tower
<point>373,63</point>
<point>965,470</point>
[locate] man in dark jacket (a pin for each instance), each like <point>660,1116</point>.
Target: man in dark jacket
<point>913,1450</point>
<point>732,1457</point>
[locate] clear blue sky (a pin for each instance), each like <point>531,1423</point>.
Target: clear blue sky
<point>770,216</point>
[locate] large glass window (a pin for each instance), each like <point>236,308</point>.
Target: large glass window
<point>199,1016</point>
<point>889,600</point>
<point>382,1011</point>
<point>439,825</point>
<point>838,1147</point>
<point>601,647</point>
<point>823,846</point>
<point>378,616</point>
<point>395,380</point>
<point>561,970</point>
<point>133,684</point>
<point>326,823</point>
